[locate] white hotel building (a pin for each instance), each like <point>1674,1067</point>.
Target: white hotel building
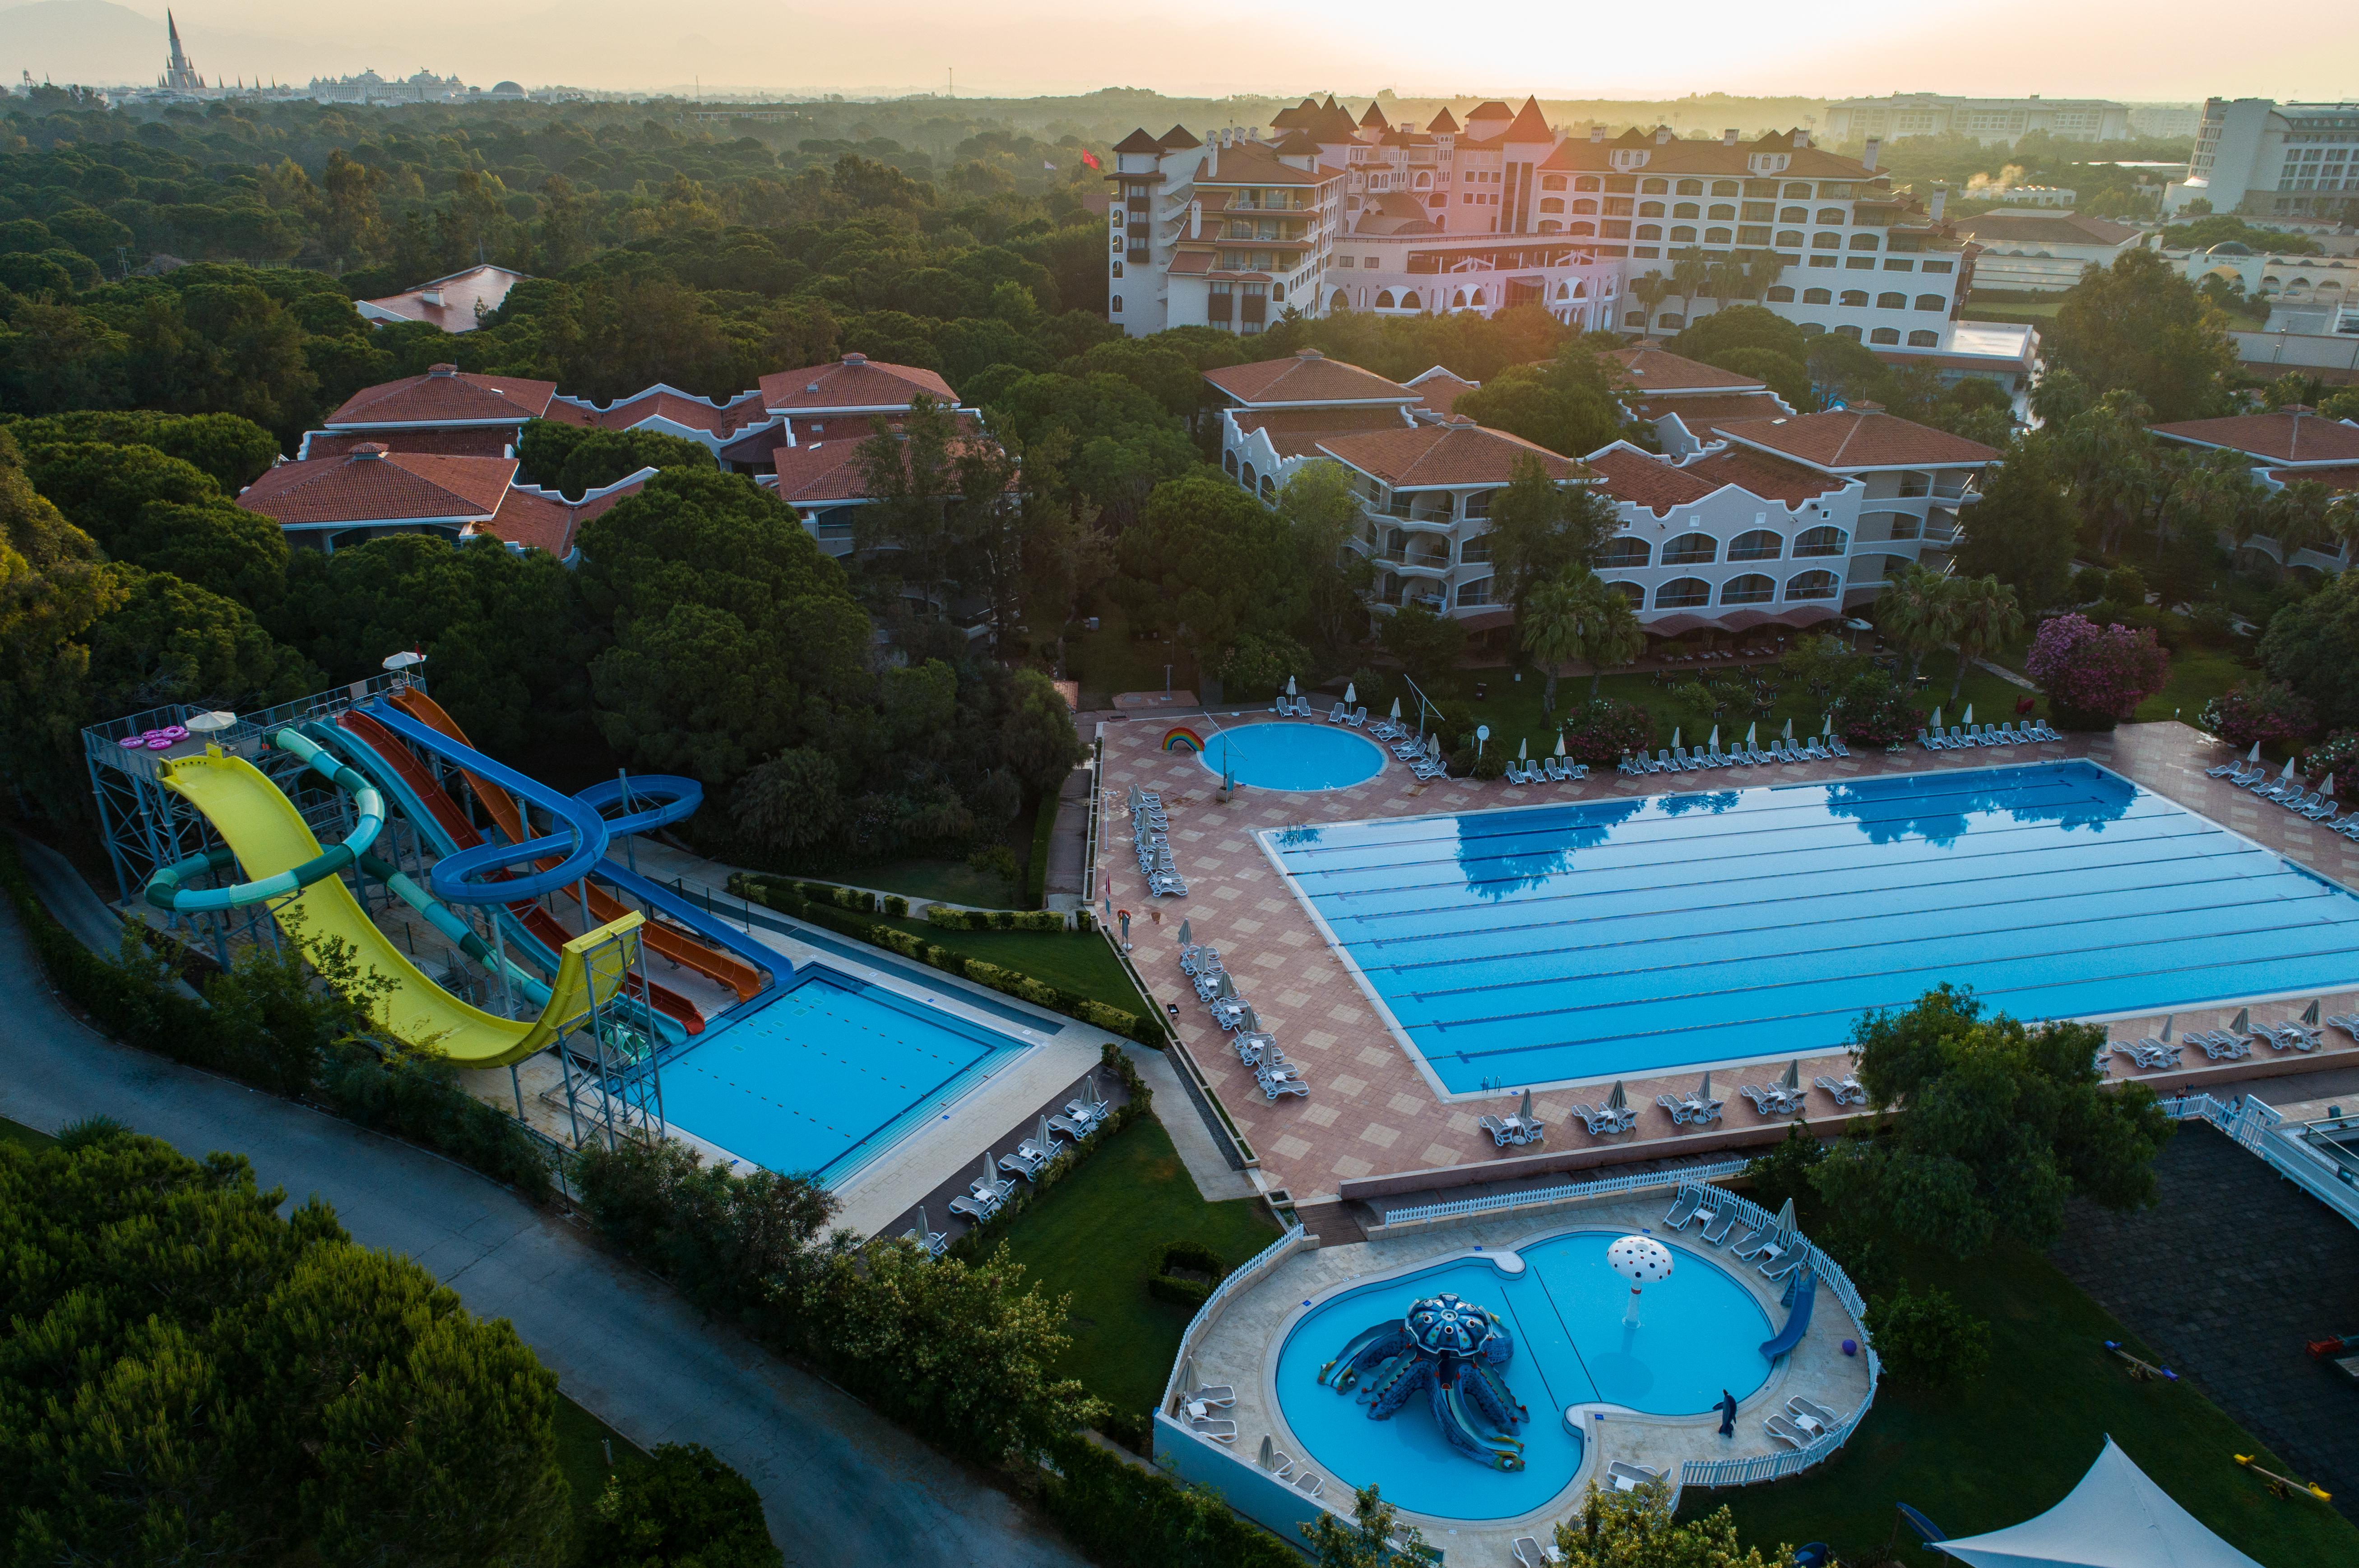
<point>1322,214</point>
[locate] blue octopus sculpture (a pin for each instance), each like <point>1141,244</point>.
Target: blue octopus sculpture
<point>1455,1351</point>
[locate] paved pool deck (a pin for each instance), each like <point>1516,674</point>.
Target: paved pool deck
<point>1372,1123</point>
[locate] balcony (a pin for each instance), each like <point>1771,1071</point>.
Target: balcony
<point>1427,562</point>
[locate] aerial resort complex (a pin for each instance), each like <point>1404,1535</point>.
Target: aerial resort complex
<point>1121,831</point>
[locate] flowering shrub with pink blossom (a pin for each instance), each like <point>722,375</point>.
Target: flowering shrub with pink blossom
<point>2265,712</point>
<point>2095,676</point>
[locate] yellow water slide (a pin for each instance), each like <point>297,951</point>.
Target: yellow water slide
<point>268,836</point>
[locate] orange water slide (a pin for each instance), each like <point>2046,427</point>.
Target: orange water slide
<point>688,952</point>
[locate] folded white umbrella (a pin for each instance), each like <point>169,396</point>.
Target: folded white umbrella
<point>1396,710</point>
<point>1228,986</point>
<point>1560,743</point>
<point>1786,1217</point>
<point>1619,1099</point>
<point>1523,749</point>
<point>1937,716</point>
<point>1829,727</point>
<point>1788,733</point>
<point>1793,1078</point>
<point>2309,1014</point>
<point>1187,938</point>
<point>1525,1109</point>
<point>1969,720</point>
<point>2326,786</point>
<point>1675,737</point>
<point>1713,745</point>
<point>1749,731</point>
<point>1290,685</point>
<point>1351,694</point>
<point>2288,769</point>
<point>2255,754</point>
<point>2167,1022</point>
<point>2243,1024</point>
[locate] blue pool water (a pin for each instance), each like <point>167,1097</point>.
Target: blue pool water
<point>826,1077</point>
<point>1701,1332</point>
<point>1558,942</point>
<point>1294,756</point>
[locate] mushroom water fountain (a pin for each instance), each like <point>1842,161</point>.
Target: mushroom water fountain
<point>1642,1260</point>
<point>1458,1353</point>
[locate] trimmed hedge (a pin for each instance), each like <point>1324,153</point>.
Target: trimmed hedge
<point>950,919</point>
<point>976,1244</point>
<point>779,894</point>
<point>1126,1516</point>
<point>1166,1286</point>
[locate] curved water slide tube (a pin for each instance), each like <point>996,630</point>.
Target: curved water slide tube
<point>532,932</point>
<point>267,835</point>
<point>1797,1322</point>
<point>729,956</point>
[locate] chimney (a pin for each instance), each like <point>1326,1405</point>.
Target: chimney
<point>1597,130</point>
<point>1867,158</point>
<point>1941,199</point>
<point>1662,135</point>
<point>1196,220</point>
<point>1801,137</point>
<point>1728,137</point>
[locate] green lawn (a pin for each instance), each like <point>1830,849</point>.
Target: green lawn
<point>1107,661</point>
<point>1976,1458</point>
<point>1092,1237</point>
<point>1078,961</point>
<point>953,881</point>
<point>582,1454</point>
<point>22,1136</point>
<point>2197,676</point>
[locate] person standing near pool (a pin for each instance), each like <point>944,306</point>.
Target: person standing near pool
<point>1727,1413</point>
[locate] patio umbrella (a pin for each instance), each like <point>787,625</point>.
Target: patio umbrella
<point>1433,748</point>
<point>1290,685</point>
<point>1786,1217</point>
<point>1937,716</point>
<point>1228,986</point>
<point>1705,1090</point>
<point>1523,749</point>
<point>1351,694</point>
<point>1267,1459</point>
<point>1748,733</point>
<point>1560,743</point>
<point>1713,745</point>
<point>1187,935</point>
<point>1829,727</point>
<point>2243,1024</point>
<point>2288,769</point>
<point>1619,1099</point>
<point>1793,1078</point>
<point>988,1176</point>
<point>1396,710</point>
<point>1788,732</point>
<point>2255,754</point>
<point>1675,737</point>
<point>1525,1109</point>
<point>1969,720</point>
<point>2326,788</point>
<point>2167,1022</point>
<point>1252,1020</point>
<point>2309,1014</point>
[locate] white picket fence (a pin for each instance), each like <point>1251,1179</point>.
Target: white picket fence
<point>1542,1198</point>
<point>2260,1128</point>
<point>1244,1276</point>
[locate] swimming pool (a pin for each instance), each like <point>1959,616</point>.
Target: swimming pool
<point>825,1078</point>
<point>1701,1332</point>
<point>1546,944</point>
<point>1295,757</point>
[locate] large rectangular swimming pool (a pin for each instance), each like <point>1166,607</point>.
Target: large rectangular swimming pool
<point>827,1077</point>
<point>1547,944</point>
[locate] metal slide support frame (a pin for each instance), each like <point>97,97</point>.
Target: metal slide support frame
<point>624,1098</point>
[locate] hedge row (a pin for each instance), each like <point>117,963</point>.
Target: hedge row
<point>1126,1516</point>
<point>1166,1286</point>
<point>780,895</point>
<point>976,1244</point>
<point>950,919</point>
<point>835,895</point>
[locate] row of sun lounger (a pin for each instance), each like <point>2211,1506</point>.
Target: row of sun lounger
<point>1547,770</point>
<point>1963,738</point>
<point>2293,793</point>
<point>1256,1046</point>
<point>1151,836</point>
<point>1714,1213</point>
<point>1801,1424</point>
<point>1083,1117</point>
<point>1679,759</point>
<point>2234,1044</point>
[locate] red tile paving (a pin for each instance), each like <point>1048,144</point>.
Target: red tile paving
<point>1371,1111</point>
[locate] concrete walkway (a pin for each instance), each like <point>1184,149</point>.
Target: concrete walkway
<point>839,1483</point>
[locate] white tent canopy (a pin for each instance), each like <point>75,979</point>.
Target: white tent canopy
<point>2115,1518</point>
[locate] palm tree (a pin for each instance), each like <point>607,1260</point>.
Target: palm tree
<point>2298,517</point>
<point>1614,637</point>
<point>1725,280</point>
<point>1919,610</point>
<point>1988,616</point>
<point>1762,269</point>
<point>1690,271</point>
<point>1553,625</point>
<point>1650,291</point>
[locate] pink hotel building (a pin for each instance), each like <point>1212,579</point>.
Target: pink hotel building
<point>1323,213</point>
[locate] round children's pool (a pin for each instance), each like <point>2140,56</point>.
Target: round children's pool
<point>1295,757</point>
<point>1700,1333</point>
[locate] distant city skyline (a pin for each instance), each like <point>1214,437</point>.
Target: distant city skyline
<point>2165,50</point>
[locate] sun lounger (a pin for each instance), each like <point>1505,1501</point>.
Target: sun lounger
<point>975,1213</point>
<point>1683,1208</point>
<point>1023,1164</point>
<point>1783,1429</point>
<point>2324,812</point>
<point>1718,1231</point>
<point>1752,1242</point>
<point>1359,717</point>
<point>2346,1022</point>
<point>2159,1052</point>
<point>1219,1431</point>
<point>1812,1409</point>
<point>1308,1485</point>
<point>2234,764</point>
<point>1217,1396</point>
<point>1252,1045</point>
<point>1530,1553</point>
<point>1072,1130</point>
<point>1778,1268</point>
<point>2219,1045</point>
<point>1845,1090</point>
<point>1625,1476</point>
<point>1167,884</point>
<point>1603,1121</point>
<point>1836,744</point>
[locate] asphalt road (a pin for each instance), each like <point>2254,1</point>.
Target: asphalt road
<point>841,1484</point>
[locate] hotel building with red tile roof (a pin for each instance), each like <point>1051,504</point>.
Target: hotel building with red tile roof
<point>2285,445</point>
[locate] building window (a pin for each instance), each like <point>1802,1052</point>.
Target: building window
<point>1811,585</point>
<point>1384,299</point>
<point>1343,301</point>
<point>1931,302</point>
<point>1819,542</point>
<point>1781,295</point>
<point>1789,239</point>
<point>1813,329</point>
<point>1862,242</point>
<point>1752,587</point>
<point>1824,261</point>
<point>1650,209</point>
<point>1793,214</point>
<point>1893,264</point>
<point>1588,182</point>
<point>1692,550</point>
<point>1650,231</point>
<point>1582,226</point>
<point>1831,215</point>
<point>1826,241</point>
<point>1922,339</point>
<point>1551,203</point>
<point>1654,187</point>
<point>1473,593</point>
<point>1410,301</point>
<point>1723,188</point>
<point>1855,299</point>
<point>1114,306</point>
<point>1551,182</point>
<point>1683,593</point>
<point>1622,552</point>
<point>1682,234</point>
<point>1760,545</point>
<point>1848,331</point>
<point>1229,462</point>
<point>1715,236</point>
<point>1892,302</point>
<point>1722,212</point>
<point>1936,267</point>
<point>1631,593</point>
<point>1887,336</point>
<point>1249,477</point>
<point>1670,321</point>
<point>1818,297</point>
<point>1799,192</point>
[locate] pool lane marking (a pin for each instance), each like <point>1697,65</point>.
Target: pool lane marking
<point>1596,1394</point>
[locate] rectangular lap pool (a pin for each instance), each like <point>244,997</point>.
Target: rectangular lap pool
<point>1546,944</point>
<point>827,1077</point>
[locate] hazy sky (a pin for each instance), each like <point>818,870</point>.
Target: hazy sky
<point>2172,49</point>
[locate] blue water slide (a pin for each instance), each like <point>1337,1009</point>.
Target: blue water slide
<point>694,917</point>
<point>467,877</point>
<point>1797,1322</point>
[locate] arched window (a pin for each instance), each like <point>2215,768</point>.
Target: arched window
<point>1458,300</point>
<point>1474,297</point>
<point>1848,331</point>
<point>1818,297</point>
<point>1670,321</point>
<point>1760,545</point>
<point>1691,187</point>
<point>1923,340</point>
<point>1685,209</point>
<point>1581,226</point>
<point>1862,242</point>
<point>1582,204</point>
<point>1229,461</point>
<point>1811,585</point>
<point>1634,318</point>
<point>1251,479</point>
<point>1854,297</point>
<point>1716,236</point>
<point>1341,301</point>
<point>1650,231</point>
<point>1831,215</point>
<point>1268,488</point>
<point>1799,191</point>
<point>1683,593</point>
<point>1113,305</point>
<point>1819,542</point>
<point>1551,182</point>
<point>1721,211</point>
<point>1887,335</point>
<point>1550,226</point>
<point>1892,302</point>
<point>1813,329</point>
<point>1630,591</point>
<point>1781,295</point>
<point>1624,552</point>
<point>1680,232</point>
<point>1384,299</point>
<point>1750,589</point>
<point>1650,209</point>
<point>1551,203</point>
<point>1589,182</point>
<point>1118,268</point>
<point>1793,214</point>
<point>1723,188</point>
<point>1425,182</point>
<point>1826,242</point>
<point>1931,302</point>
<point>1692,550</point>
<point>1410,301</point>
<point>1651,187</point>
<point>1277,291</point>
<point>1789,239</point>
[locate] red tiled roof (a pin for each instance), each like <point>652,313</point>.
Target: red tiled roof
<point>1858,439</point>
<point>1442,455</point>
<point>1250,163</point>
<point>446,395</point>
<point>2282,434</point>
<point>455,297</point>
<point>1657,370</point>
<point>692,413</point>
<point>1437,390</point>
<point>372,485</point>
<point>1679,156</point>
<point>1646,482</point>
<point>1530,125</point>
<point>544,520</point>
<point>1138,141</point>
<point>1698,411</point>
<point>2342,478</point>
<point>465,441</point>
<point>1442,123</point>
<point>1307,377</point>
<point>1490,109</point>
<point>2043,229</point>
<point>1177,139</point>
<point>1373,120</point>
<point>826,466</point>
<point>1297,432</point>
<point>1758,474</point>
<point>854,382</point>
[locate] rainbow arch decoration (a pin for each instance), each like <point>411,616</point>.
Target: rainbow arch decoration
<point>1180,737</point>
